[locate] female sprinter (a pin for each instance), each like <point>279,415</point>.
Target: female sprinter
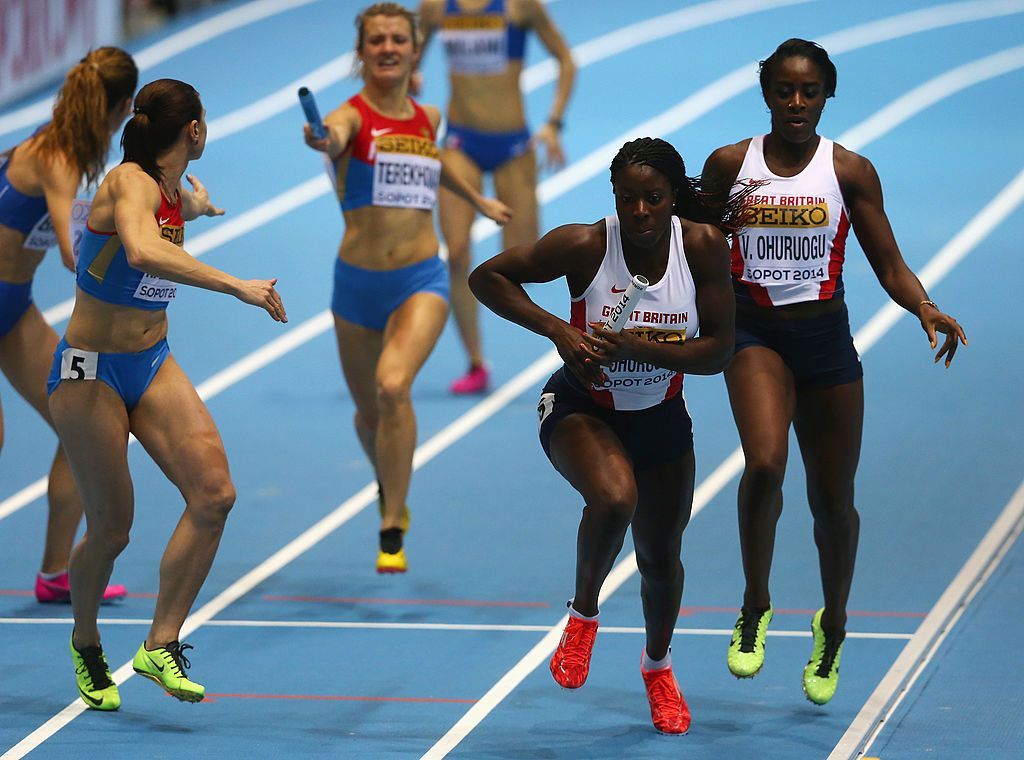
<point>390,288</point>
<point>38,182</point>
<point>795,363</point>
<point>484,41</point>
<point>113,374</point>
<point>613,420</point>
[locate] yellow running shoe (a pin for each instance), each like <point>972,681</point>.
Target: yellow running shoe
<point>746,649</point>
<point>406,517</point>
<point>95,686</point>
<point>821,676</point>
<point>166,666</point>
<point>392,563</point>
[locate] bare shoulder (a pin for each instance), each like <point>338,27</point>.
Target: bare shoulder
<point>129,181</point>
<point>701,237</point>
<point>728,159</point>
<point>346,114</point>
<point>854,172</point>
<point>528,13</point>
<point>433,113</point>
<point>579,238</point>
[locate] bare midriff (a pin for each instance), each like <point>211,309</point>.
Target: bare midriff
<point>488,102</point>
<point>100,326</point>
<point>381,237</point>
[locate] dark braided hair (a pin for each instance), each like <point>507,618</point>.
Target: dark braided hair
<point>691,202</point>
<point>798,48</point>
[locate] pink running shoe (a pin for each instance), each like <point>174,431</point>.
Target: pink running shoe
<point>477,380</point>
<point>59,590</point>
<point>570,664</point>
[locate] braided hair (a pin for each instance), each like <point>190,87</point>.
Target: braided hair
<point>691,202</point>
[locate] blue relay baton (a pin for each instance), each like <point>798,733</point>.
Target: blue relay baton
<point>312,113</point>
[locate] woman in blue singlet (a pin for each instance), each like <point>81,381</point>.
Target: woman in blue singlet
<point>38,181</point>
<point>390,298</point>
<point>484,41</point>
<point>113,375</point>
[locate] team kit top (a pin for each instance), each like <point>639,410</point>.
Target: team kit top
<point>392,162</point>
<point>793,246</point>
<point>27,214</point>
<point>104,272</point>
<point>666,313</point>
<point>483,42</point>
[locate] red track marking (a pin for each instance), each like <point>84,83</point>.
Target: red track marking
<point>431,602</point>
<point>339,698</point>
<point>684,611</point>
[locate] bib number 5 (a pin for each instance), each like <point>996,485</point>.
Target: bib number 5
<point>76,364</point>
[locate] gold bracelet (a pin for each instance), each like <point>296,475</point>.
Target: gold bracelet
<point>929,303</point>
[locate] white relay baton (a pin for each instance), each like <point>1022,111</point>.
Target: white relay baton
<point>620,314</point>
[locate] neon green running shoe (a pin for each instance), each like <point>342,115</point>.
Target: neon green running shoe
<point>821,676</point>
<point>406,516</point>
<point>746,650</point>
<point>95,686</point>
<point>166,666</point>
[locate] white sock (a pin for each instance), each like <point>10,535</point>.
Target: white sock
<point>579,615</point>
<point>51,576</point>
<point>665,662</point>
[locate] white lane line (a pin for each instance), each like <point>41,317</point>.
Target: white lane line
<point>186,39</point>
<point>937,268</point>
<point>312,189</point>
<point>939,623</point>
<point>464,627</point>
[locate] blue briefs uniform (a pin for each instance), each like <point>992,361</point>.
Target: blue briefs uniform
<point>367,297</point>
<point>128,374</point>
<point>488,150</point>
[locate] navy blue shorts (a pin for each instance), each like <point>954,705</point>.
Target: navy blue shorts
<point>651,436</point>
<point>15,298</point>
<point>818,350</point>
<point>128,374</point>
<point>367,297</point>
<point>488,150</point>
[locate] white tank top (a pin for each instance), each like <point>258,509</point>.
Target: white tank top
<point>667,313</point>
<point>794,247</point>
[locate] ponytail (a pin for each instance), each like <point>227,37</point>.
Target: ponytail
<point>162,109</point>
<point>80,130</point>
<point>729,215</point>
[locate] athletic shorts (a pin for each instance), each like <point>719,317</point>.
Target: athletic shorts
<point>818,350</point>
<point>368,297</point>
<point>128,374</point>
<point>651,437</point>
<point>489,150</point>
<point>15,298</point>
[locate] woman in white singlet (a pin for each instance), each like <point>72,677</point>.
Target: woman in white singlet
<point>613,420</point>
<point>795,362</point>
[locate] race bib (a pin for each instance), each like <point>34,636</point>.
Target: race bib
<point>784,244</point>
<point>79,214</point>
<point>42,236</point>
<point>406,172</point>
<point>156,289</point>
<point>76,364</point>
<point>476,44</point>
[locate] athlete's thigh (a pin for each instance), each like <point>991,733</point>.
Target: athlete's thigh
<point>665,500</point>
<point>763,399</point>
<point>411,334</point>
<point>591,457</point>
<point>174,426</point>
<point>455,214</point>
<point>359,349</point>
<point>829,423</point>
<point>515,184</point>
<point>26,355</point>
<point>92,422</point>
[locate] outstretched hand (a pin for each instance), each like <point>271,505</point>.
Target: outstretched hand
<point>203,206</point>
<point>934,321</point>
<point>263,294</point>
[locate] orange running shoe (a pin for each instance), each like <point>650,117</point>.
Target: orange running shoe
<point>570,664</point>
<point>668,707</point>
